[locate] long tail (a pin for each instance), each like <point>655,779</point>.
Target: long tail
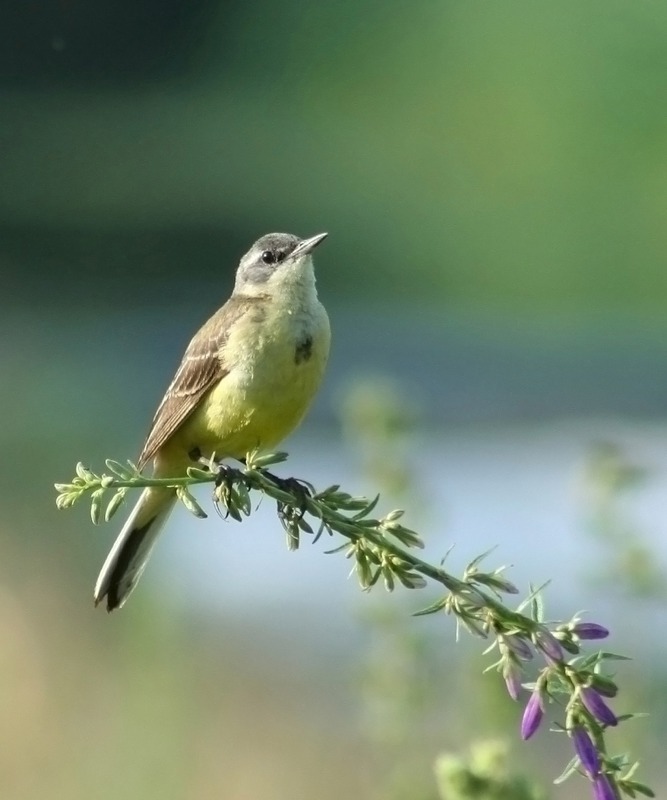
<point>131,550</point>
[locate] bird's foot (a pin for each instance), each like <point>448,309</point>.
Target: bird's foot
<point>300,489</point>
<point>291,514</point>
<point>226,493</point>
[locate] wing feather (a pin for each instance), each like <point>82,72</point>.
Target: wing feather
<point>202,368</point>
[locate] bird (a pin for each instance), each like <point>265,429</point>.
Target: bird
<point>246,380</point>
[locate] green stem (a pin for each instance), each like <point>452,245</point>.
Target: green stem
<point>258,480</point>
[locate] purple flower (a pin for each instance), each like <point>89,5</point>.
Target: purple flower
<point>519,647</point>
<point>585,750</point>
<point>603,789</point>
<point>594,703</point>
<point>590,630</point>
<point>512,678</point>
<point>532,715</point>
<point>549,645</point>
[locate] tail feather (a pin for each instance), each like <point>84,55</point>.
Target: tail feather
<point>129,555</point>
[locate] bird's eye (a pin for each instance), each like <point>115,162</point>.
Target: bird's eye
<point>273,256</point>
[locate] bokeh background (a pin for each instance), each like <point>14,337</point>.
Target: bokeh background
<point>494,181</point>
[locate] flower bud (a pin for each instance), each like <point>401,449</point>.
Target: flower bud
<point>532,715</point>
<point>512,678</point>
<point>594,703</point>
<point>603,789</point>
<point>586,752</point>
<point>590,630</point>
<point>548,644</point>
<point>518,646</point>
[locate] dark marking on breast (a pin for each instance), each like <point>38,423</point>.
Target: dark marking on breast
<point>304,349</point>
<point>195,454</point>
<point>258,313</point>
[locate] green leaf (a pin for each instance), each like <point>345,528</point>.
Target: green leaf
<point>531,597</point>
<point>364,512</point>
<point>569,770</point>
<point>257,461</point>
<point>606,656</point>
<point>496,583</point>
<point>243,498</point>
<point>278,494</point>
<point>472,566</point>
<point>114,504</point>
<point>364,572</point>
<point>634,786</point>
<point>388,576</point>
<point>411,580</point>
<point>96,506</point>
<point>119,469</point>
<point>404,535</point>
<point>473,626</point>
<point>190,503</point>
<point>303,525</point>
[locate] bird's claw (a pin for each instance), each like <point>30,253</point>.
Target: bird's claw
<point>224,488</point>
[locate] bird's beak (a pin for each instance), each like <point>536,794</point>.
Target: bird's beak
<point>307,245</point>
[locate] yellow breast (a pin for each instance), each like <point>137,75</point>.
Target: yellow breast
<point>275,364</point>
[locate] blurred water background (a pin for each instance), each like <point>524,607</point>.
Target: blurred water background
<point>493,178</point>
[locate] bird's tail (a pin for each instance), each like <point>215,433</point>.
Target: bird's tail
<point>131,550</point>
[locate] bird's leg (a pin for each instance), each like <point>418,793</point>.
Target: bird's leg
<point>225,476</point>
<point>291,515</point>
<point>302,490</point>
<point>213,464</point>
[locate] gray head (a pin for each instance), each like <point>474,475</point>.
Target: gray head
<point>277,258</point>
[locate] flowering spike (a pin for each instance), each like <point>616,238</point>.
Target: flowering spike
<point>597,706</point>
<point>585,750</point>
<point>532,715</point>
<point>377,549</point>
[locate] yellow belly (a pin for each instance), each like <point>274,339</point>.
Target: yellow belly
<point>238,419</point>
<point>264,396</point>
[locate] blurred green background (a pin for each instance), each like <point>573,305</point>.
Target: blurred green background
<point>493,178</point>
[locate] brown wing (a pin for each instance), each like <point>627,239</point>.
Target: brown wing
<point>200,369</point>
